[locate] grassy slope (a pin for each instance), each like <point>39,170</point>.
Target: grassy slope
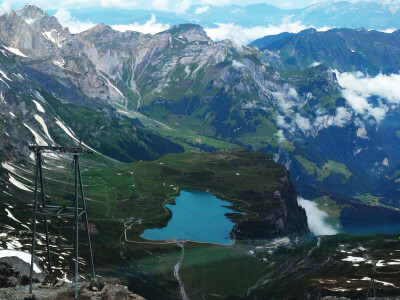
<point>137,190</point>
<point>247,180</point>
<point>325,171</point>
<point>292,272</point>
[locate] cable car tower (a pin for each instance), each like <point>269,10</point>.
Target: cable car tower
<point>44,210</point>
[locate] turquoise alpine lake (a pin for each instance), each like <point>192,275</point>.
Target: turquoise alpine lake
<point>196,216</point>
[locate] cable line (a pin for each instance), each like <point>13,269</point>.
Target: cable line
<point>208,221</point>
<point>184,230</point>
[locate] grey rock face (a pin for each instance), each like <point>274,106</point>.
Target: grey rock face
<point>49,49</point>
<point>19,271</point>
<point>101,61</point>
<point>39,20</point>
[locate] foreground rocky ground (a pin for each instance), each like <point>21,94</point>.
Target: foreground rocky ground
<point>14,284</point>
<point>111,290</point>
<point>344,298</point>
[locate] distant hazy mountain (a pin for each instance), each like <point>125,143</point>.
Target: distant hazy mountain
<point>380,15</point>
<point>371,52</point>
<point>264,42</point>
<point>371,15</point>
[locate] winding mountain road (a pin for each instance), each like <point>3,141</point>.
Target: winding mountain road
<point>176,271</point>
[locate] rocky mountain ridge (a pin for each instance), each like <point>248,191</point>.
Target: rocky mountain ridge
<point>347,50</point>
<point>45,46</point>
<point>182,84</point>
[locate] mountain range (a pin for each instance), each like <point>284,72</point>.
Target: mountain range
<point>346,50</point>
<point>173,111</point>
<point>378,15</point>
<point>133,96</point>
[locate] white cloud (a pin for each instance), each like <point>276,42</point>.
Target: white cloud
<point>342,116</point>
<point>378,113</point>
<point>316,218</point>
<point>280,122</point>
<point>74,25</point>
<point>283,102</point>
<point>80,4</point>
<point>129,4</point>
<point>357,101</point>
<point>384,86</point>
<point>293,93</point>
<point>287,5</point>
<point>237,11</point>
<point>237,64</point>
<point>243,35</point>
<point>285,99</point>
<point>303,123</point>
<point>216,2</point>
<point>201,10</point>
<point>389,30</point>
<point>281,136</point>
<point>358,88</point>
<point>160,4</point>
<point>151,26</point>
<point>5,7</point>
<point>182,7</point>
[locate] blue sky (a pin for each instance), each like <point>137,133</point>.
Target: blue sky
<point>171,5</point>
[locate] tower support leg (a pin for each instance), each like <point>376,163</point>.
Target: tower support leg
<point>76,160</point>
<point>78,189</point>
<point>45,218</point>
<point>34,221</point>
<point>86,221</point>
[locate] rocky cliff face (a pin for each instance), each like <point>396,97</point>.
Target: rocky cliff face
<point>36,107</point>
<point>131,70</point>
<point>179,58</point>
<point>43,44</point>
<point>182,68</point>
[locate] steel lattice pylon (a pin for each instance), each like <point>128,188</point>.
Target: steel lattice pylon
<point>59,211</point>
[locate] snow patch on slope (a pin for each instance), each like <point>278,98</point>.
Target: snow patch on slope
<point>61,64</point>
<point>47,34</point>
<point>66,130</point>
<point>69,132</point>
<point>113,86</point>
<point>43,124</point>
<point>4,75</point>
<point>18,184</point>
<point>38,138</point>
<point>14,170</point>
<point>2,100</point>
<point>8,167</point>
<point>15,51</point>
<point>26,257</point>
<point>1,79</point>
<point>30,21</point>
<point>10,215</point>
<point>39,107</point>
<point>40,97</point>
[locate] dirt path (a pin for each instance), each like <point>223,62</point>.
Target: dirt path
<point>176,272</point>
